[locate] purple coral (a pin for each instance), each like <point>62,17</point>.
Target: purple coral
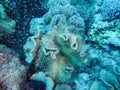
<point>12,73</point>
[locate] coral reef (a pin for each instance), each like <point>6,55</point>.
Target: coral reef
<point>57,2</point>
<point>41,76</point>
<point>12,73</point>
<point>31,47</point>
<point>59,15</point>
<point>63,87</point>
<point>104,31</point>
<point>21,11</point>
<point>59,44</point>
<point>57,18</point>
<point>85,8</point>
<point>110,9</point>
<point>82,81</point>
<point>104,64</point>
<point>63,53</point>
<point>7,25</point>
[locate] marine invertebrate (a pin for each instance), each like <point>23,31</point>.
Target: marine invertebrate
<point>109,79</point>
<point>57,2</point>
<point>105,34</point>
<point>7,25</point>
<point>63,87</point>
<point>82,82</point>
<point>11,70</point>
<point>114,41</point>
<point>110,9</point>
<point>98,85</point>
<point>61,47</point>
<point>63,53</point>
<point>31,47</point>
<point>59,15</point>
<point>41,76</point>
<point>116,68</point>
<point>106,23</point>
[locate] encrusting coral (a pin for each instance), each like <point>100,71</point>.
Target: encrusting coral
<point>12,72</point>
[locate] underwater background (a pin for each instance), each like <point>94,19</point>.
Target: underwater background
<point>59,44</point>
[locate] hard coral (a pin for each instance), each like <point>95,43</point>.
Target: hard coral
<point>12,73</point>
<point>110,9</point>
<point>56,16</point>
<point>59,15</point>
<point>41,76</point>
<point>31,47</point>
<point>61,49</point>
<point>63,53</point>
<point>63,87</point>
<point>7,25</point>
